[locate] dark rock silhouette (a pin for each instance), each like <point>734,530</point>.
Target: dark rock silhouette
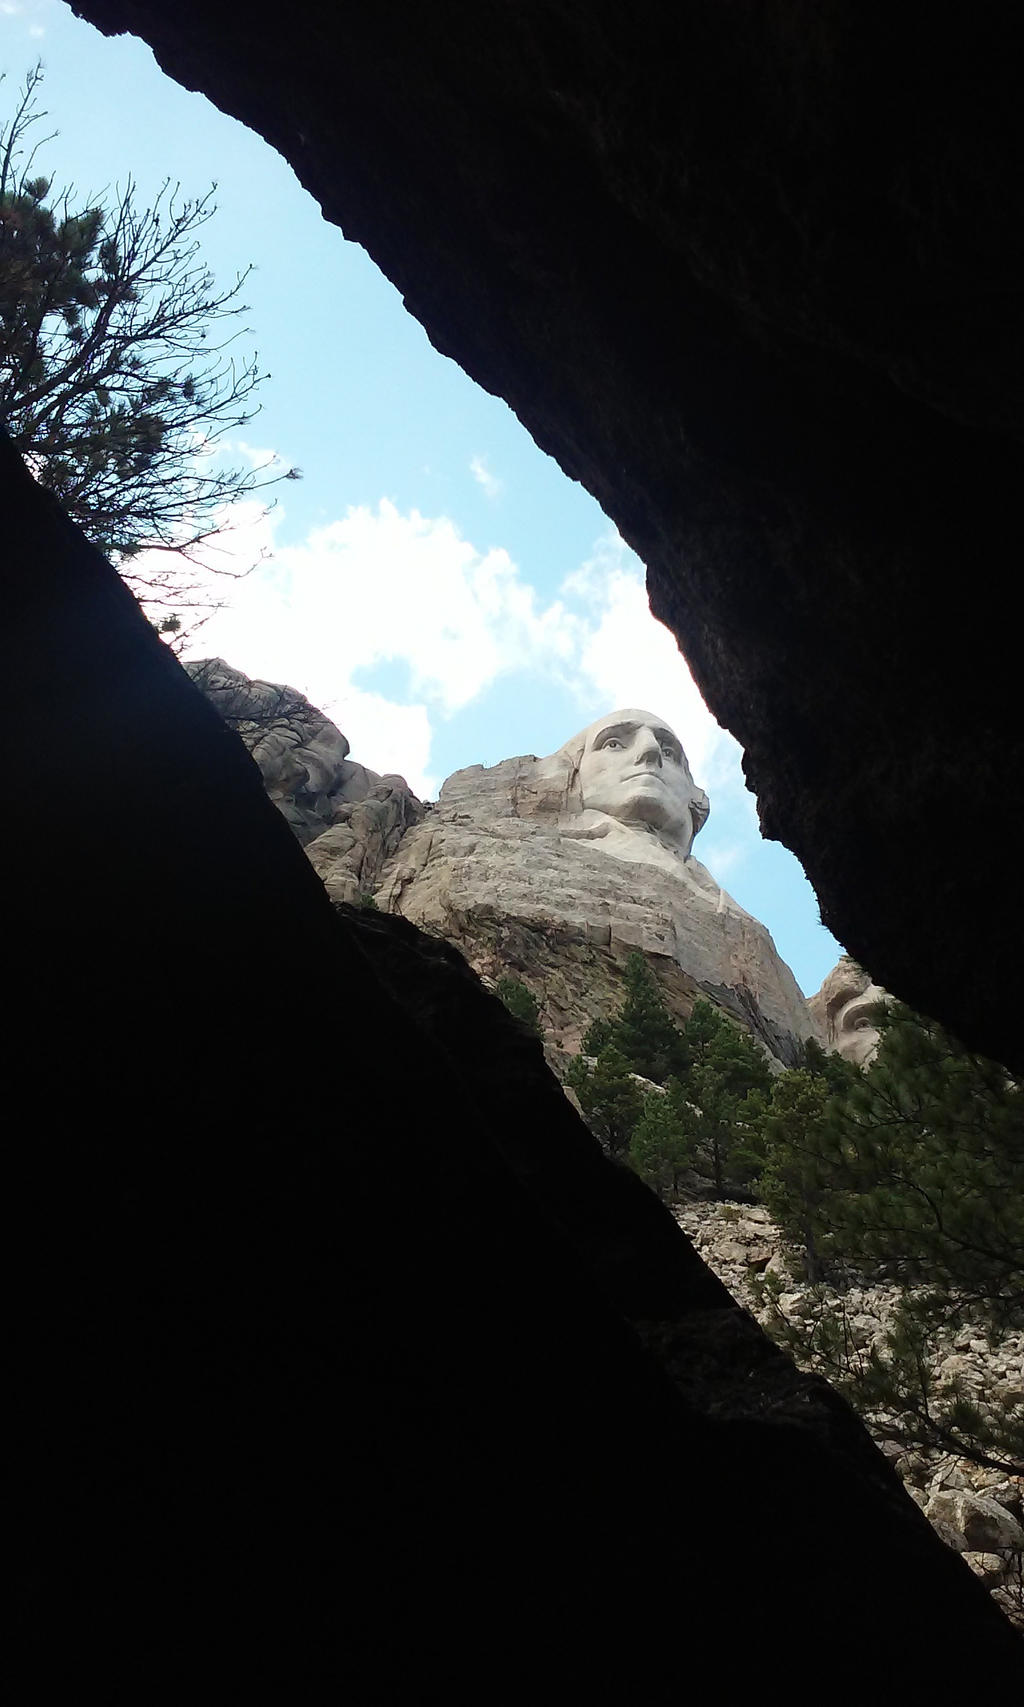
<point>328,1387</point>
<point>354,1386</point>
<point>752,274</point>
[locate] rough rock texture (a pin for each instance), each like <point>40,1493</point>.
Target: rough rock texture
<point>573,979</point>
<point>313,1383</point>
<point>978,1512</point>
<point>492,859</point>
<point>508,875</point>
<point>354,817</point>
<point>842,1011</point>
<point>621,1232</point>
<point>753,275</point>
<point>324,1388</point>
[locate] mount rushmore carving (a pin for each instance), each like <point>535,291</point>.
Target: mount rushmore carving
<point>577,857</point>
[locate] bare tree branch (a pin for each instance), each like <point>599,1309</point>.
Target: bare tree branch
<point>119,380</point>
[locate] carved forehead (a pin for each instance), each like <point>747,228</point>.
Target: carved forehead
<point>624,723</point>
<point>844,984</point>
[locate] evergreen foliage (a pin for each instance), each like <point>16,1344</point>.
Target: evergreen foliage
<point>910,1173</point>
<point>641,1040</point>
<point>715,1083</point>
<point>597,1036</point>
<point>521,1003</point>
<point>825,1064</point>
<point>643,1030</point>
<point>609,1097</point>
<point>117,371</point>
<point>918,1167</point>
<point>661,1146</point>
<point>792,1182</point>
<point>726,1085</point>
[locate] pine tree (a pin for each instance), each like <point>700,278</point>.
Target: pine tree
<point>911,1173</point>
<point>725,1084</point>
<point>521,1003</point>
<point>597,1036</point>
<point>641,1040</point>
<point>918,1166</point>
<point>609,1097</point>
<point>644,1030</point>
<point>716,1079</point>
<point>661,1146</point>
<point>791,1182</point>
<point>117,372</point>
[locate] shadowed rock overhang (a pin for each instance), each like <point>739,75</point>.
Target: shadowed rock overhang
<point>341,1351</point>
<point>752,274</point>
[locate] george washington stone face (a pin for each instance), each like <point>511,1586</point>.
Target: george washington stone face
<point>595,841</point>
<point>631,766</point>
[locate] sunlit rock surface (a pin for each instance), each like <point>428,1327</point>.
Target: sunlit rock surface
<point>843,1011</point>
<point>354,817</point>
<point>752,274</point>
<point>778,340</point>
<point>336,1342</point>
<point>977,1511</point>
<point>584,856</point>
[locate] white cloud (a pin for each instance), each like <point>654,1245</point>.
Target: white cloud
<point>384,587</point>
<point>482,475</point>
<point>723,857</point>
<point>379,726</point>
<point>628,658</point>
<point>211,570</point>
<point>255,455</point>
<point>378,587</point>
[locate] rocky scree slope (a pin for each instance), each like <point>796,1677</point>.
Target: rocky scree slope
<point>976,1511</point>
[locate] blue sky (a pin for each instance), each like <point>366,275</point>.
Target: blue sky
<point>434,582</point>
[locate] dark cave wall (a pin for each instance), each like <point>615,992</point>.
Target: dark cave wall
<point>321,1369</point>
<point>752,274</point>
<point>328,1355</point>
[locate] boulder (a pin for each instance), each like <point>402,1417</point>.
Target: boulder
<point>985,1525</point>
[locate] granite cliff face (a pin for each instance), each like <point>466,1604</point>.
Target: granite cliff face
<point>354,817</point>
<point>515,870</point>
<point>975,1510</point>
<point>510,872</point>
<point>274,1409</point>
<point>779,342</point>
<point>518,886</point>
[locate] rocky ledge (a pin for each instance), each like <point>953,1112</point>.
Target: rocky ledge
<point>978,1512</point>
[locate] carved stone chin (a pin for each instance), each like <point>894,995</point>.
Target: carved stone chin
<point>630,766</point>
<point>586,854</point>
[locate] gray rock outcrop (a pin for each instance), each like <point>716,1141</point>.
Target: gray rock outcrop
<point>843,1011</point>
<point>348,818</point>
<point>977,1511</point>
<point>518,870</point>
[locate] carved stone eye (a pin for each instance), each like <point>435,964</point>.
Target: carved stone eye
<point>613,743</point>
